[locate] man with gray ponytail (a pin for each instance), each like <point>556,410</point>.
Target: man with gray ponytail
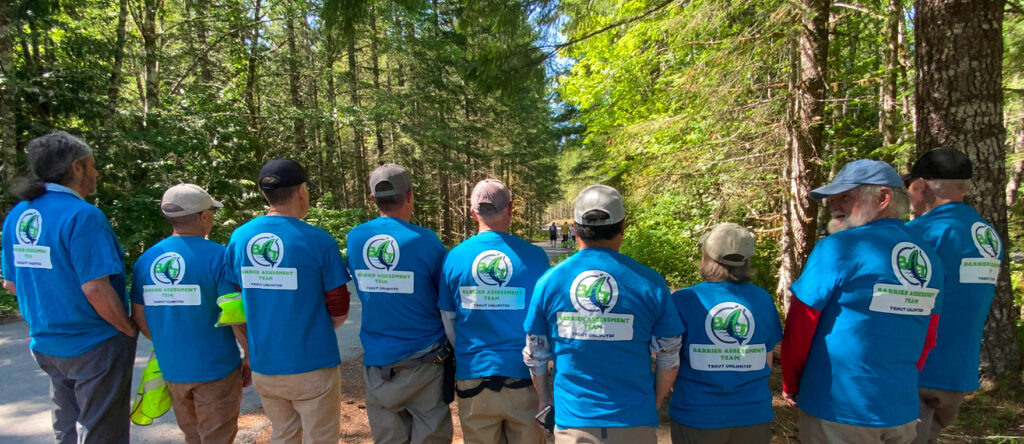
<point>64,263</point>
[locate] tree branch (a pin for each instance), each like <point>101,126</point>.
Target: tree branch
<point>608,27</point>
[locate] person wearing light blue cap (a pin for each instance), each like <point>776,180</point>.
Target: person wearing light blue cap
<point>863,314</point>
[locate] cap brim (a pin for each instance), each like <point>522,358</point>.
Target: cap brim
<point>832,189</point>
<point>217,203</point>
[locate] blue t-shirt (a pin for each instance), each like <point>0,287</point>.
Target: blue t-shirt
<point>875,287</point>
<point>178,281</point>
<point>284,267</point>
<point>52,245</point>
<point>971,251</point>
<point>600,310</point>
<point>723,372</point>
<point>397,267</point>
<point>488,283</point>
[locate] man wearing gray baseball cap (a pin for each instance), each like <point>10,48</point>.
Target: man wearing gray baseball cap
<point>599,315</point>
<point>862,315</point>
<point>396,266</point>
<point>175,285</point>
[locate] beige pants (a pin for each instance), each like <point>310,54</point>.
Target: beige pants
<point>814,430</point>
<point>207,412</point>
<point>607,435</point>
<point>752,434</point>
<point>493,417</point>
<point>408,408</point>
<point>303,408</point>
<point>939,409</point>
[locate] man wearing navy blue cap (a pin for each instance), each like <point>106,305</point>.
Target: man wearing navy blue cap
<point>863,315</point>
<point>293,286</point>
<point>971,251</point>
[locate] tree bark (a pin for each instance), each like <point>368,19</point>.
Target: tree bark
<point>8,96</point>
<point>114,86</point>
<point>249,95</point>
<point>890,121</point>
<point>378,124</point>
<point>1017,168</point>
<point>802,169</point>
<point>294,61</point>
<point>358,139</point>
<point>151,44</point>
<point>960,104</point>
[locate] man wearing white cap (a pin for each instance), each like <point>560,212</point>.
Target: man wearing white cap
<point>600,315</point>
<point>396,266</point>
<point>863,314</point>
<point>487,283</point>
<point>175,285</point>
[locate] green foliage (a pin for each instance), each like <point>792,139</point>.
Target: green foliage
<point>338,222</point>
<point>8,304</point>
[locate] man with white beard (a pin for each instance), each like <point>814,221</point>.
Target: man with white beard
<point>863,315</point>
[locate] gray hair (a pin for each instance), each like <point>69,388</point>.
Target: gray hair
<point>899,204</point>
<point>49,160</point>
<point>714,271</point>
<point>944,187</point>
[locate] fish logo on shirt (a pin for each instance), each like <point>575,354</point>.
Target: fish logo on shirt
<point>911,265</point>
<point>492,268</point>
<point>29,226</point>
<point>986,240</point>
<point>265,250</point>
<point>729,323</point>
<point>594,291</point>
<point>167,269</point>
<point>381,252</point>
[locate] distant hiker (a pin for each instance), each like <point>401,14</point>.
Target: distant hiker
<point>572,236</point>
<point>600,315</point>
<point>553,233</point>
<point>487,283</point>
<point>65,265</point>
<point>293,287</point>
<point>563,231</point>
<point>396,265</point>
<point>732,327</point>
<point>862,315</point>
<point>175,285</point>
<point>971,251</point>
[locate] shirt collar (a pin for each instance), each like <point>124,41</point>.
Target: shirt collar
<point>62,189</point>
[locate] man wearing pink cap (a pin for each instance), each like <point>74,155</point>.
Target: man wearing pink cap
<point>486,285</point>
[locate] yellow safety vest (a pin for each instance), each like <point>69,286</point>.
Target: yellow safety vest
<point>232,311</point>
<point>153,398</point>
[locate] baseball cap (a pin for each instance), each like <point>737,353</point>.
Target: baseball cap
<point>184,199</point>
<point>282,173</point>
<point>941,163</point>
<point>489,196</point>
<point>728,244</point>
<point>600,198</point>
<point>392,179</point>
<point>857,173</point>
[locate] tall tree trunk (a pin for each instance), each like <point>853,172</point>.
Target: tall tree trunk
<point>331,131</point>
<point>8,96</point>
<point>890,121</point>
<point>151,44</point>
<point>960,104</point>
<point>114,85</point>
<point>294,61</point>
<point>358,139</point>
<point>201,29</point>
<point>804,141</point>
<point>378,124</point>
<point>249,95</point>
<point>1017,168</point>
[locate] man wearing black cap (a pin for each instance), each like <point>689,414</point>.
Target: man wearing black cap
<point>971,252</point>
<point>396,266</point>
<point>293,286</point>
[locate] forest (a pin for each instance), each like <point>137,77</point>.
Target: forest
<point>700,111</point>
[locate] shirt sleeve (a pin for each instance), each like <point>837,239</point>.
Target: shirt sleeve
<point>92,233</point>
<point>775,325</point>
<point>667,323</point>
<point>135,294</point>
<point>7,259</point>
<point>226,283</point>
<point>821,275</point>
<point>447,288</point>
<point>229,270</point>
<point>333,267</point>
<point>536,322</point>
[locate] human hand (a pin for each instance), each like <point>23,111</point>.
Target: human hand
<point>790,399</point>
<point>246,373</point>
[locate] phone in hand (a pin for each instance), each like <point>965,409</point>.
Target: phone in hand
<point>546,418</point>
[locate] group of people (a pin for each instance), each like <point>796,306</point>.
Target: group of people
<point>865,357</point>
<point>565,232</point>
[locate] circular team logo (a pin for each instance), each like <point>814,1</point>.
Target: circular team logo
<point>168,269</point>
<point>492,268</point>
<point>381,252</point>
<point>986,239</point>
<point>594,291</point>
<point>29,225</point>
<point>265,250</point>
<point>911,265</point>
<point>729,323</point>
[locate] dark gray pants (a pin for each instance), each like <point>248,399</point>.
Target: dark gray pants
<point>92,392</point>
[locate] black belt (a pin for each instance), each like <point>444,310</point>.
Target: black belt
<point>495,383</point>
